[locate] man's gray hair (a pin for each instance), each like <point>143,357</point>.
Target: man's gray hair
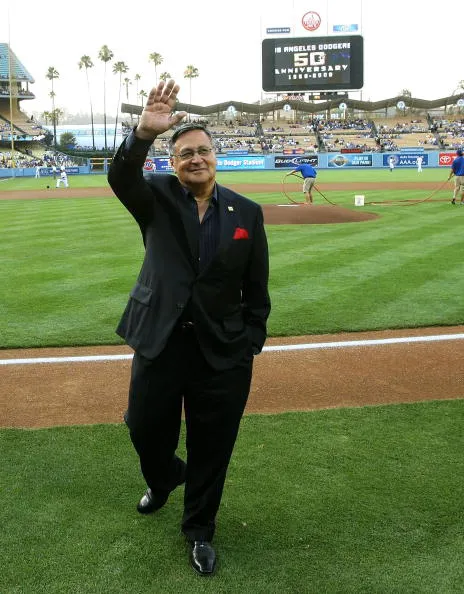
<point>183,129</point>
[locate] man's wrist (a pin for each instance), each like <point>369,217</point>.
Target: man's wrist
<point>142,134</point>
<point>134,148</point>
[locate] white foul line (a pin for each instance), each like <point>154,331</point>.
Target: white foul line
<point>287,347</point>
<point>360,343</point>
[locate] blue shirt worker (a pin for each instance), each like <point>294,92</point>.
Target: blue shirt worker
<point>457,169</point>
<point>309,179</point>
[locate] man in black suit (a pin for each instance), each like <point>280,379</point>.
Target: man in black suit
<point>195,318</point>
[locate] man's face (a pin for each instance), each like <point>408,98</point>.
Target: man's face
<point>194,159</point>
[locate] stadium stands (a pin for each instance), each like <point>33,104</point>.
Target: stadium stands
<point>17,81</point>
<point>267,127</point>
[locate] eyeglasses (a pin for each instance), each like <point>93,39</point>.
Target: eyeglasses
<point>203,151</point>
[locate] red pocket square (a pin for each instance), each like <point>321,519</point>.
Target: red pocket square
<point>240,233</point>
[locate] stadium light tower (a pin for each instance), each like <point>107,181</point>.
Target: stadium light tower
<point>10,82</point>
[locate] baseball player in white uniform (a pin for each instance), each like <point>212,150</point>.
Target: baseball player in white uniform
<point>63,179</point>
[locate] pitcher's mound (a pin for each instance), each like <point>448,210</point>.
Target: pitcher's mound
<point>304,214</point>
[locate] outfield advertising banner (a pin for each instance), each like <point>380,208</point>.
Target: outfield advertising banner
<point>351,160</point>
<point>49,171</point>
<point>243,163</point>
<point>294,151</point>
<point>292,162</point>
<point>157,164</point>
<point>445,159</point>
<point>405,159</point>
<point>238,162</point>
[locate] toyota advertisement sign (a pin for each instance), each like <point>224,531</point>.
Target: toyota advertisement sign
<point>445,159</point>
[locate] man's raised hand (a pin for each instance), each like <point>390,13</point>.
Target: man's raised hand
<point>158,114</point>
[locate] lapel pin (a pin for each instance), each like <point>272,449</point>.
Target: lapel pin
<point>230,208</point>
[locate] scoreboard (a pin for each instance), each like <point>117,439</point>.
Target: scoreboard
<point>313,63</point>
<point>324,96</point>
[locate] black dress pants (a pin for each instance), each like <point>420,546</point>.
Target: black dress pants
<point>213,401</point>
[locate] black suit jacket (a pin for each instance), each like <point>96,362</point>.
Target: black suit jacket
<point>229,300</point>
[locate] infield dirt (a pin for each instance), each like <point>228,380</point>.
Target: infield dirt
<point>74,393</point>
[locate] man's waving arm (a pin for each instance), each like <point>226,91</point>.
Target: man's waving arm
<point>125,174</point>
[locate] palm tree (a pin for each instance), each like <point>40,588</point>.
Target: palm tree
<point>191,72</point>
<point>47,116</point>
<point>156,59</point>
<point>137,77</point>
<point>53,73</point>
<point>165,76</point>
<point>86,62</point>
<point>105,55</point>
<point>459,88</point>
<point>127,83</point>
<point>118,68</point>
<point>142,95</point>
<point>55,117</point>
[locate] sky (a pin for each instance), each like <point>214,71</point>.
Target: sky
<point>407,45</point>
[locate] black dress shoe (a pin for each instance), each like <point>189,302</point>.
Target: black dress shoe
<point>202,557</point>
<point>151,502</point>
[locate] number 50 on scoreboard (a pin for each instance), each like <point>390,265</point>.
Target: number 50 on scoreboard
<point>313,63</point>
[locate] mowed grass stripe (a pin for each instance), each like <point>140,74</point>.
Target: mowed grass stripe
<point>350,279</point>
<point>67,269</point>
<point>415,302</point>
<point>354,251</point>
<point>349,500</point>
<point>394,295</point>
<point>68,261</point>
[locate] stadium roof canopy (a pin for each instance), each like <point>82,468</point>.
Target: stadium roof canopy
<point>18,71</point>
<point>305,107</point>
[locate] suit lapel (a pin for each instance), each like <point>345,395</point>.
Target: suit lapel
<point>190,226</point>
<point>228,220</point>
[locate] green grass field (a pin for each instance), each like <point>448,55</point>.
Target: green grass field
<point>68,265</point>
<point>365,501</point>
<point>251,177</point>
<point>343,501</point>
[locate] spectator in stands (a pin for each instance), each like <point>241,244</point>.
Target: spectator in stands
<point>309,174</point>
<point>457,170</point>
